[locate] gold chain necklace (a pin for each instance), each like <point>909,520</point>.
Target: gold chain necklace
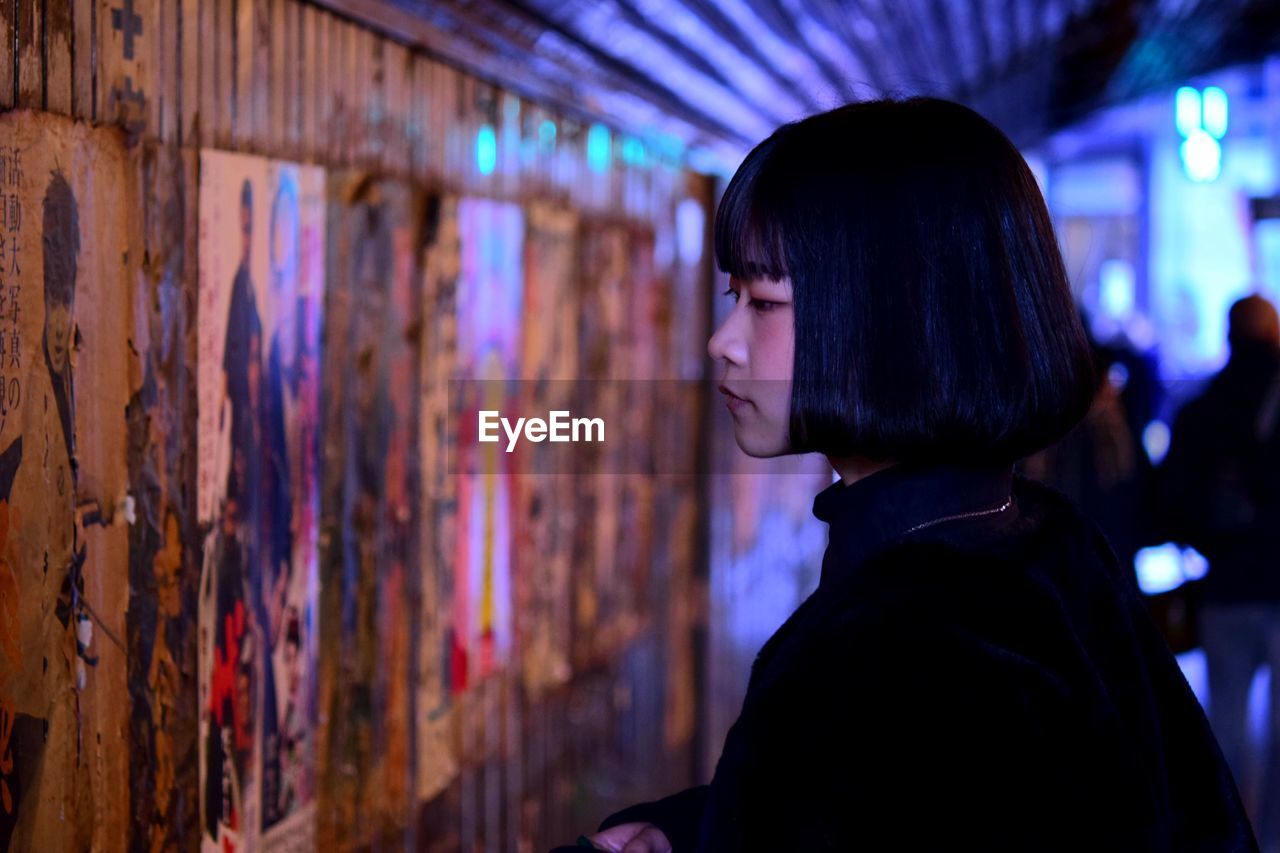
<point>1008,503</point>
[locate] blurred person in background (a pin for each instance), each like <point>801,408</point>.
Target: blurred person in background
<point>1221,486</point>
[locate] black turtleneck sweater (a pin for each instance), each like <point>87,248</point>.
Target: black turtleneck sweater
<point>990,681</point>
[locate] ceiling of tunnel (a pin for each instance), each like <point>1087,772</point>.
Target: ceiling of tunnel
<point>720,75</point>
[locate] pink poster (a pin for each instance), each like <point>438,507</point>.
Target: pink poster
<point>490,288</point>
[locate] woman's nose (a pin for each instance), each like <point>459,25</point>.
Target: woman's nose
<point>725,343</point>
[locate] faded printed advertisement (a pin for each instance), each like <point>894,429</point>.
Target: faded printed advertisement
<point>261,257</point>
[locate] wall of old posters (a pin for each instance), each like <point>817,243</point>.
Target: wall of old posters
<point>248,600</point>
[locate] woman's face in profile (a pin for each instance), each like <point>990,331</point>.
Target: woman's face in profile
<point>756,344</point>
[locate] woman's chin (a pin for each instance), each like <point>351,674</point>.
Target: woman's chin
<point>758,447</point>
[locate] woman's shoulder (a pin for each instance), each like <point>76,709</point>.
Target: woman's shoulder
<point>1002,602</point>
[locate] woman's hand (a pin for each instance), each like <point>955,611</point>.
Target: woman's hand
<point>632,838</point>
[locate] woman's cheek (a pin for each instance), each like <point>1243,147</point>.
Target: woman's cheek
<point>780,339</point>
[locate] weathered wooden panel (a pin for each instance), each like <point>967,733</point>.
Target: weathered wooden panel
<point>545,495</point>
<point>164,546</point>
<point>371,509</point>
<point>437,719</point>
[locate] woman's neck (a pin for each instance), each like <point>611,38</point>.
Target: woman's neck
<point>853,468</point>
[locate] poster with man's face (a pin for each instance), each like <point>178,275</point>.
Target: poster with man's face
<point>261,256</point>
<point>64,368</point>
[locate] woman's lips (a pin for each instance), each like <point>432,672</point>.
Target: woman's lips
<point>732,400</point>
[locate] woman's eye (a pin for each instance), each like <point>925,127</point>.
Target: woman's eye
<point>763,305</point>
<point>731,292</point>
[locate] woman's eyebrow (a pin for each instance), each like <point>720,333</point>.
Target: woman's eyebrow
<point>772,286</point>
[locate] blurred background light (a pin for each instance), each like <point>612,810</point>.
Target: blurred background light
<point>599,145</point>
<point>547,134</point>
<point>1187,110</point>
<point>1159,569</point>
<point>1215,112</point>
<point>486,149</point>
<point>1155,440</point>
<point>1201,156</point>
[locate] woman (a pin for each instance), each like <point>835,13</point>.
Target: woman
<point>974,670</point>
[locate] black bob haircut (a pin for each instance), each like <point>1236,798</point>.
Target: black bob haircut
<point>933,316</point>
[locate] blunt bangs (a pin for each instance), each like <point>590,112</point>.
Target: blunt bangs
<point>748,234</point>
<point>933,315</point>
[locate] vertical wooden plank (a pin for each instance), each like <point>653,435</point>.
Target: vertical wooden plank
<point>343,129</point>
<point>7,63</point>
<point>384,113</point>
<point>473,118</point>
<point>393,116</point>
<point>362,97</point>
<point>243,113</point>
<point>333,71</point>
<point>210,55</point>
<point>58,79</point>
<point>322,60</point>
<point>434,145</point>
<point>439,120</point>
<point>144,114</point>
<point>153,36</point>
<point>172,128</point>
<point>225,76</point>
<point>398,71</point>
<point>126,80</point>
<point>416,138</point>
<point>325,68</point>
<point>375,107</point>
<point>393,125</point>
<point>510,108</point>
<point>30,54</point>
<point>276,80</point>
<point>164,69</point>
<point>310,128</point>
<point>192,53</point>
<point>357,97</point>
<point>261,82</point>
<point>412,117</point>
<point>450,124</point>
<point>83,47</point>
<point>461,135</point>
<point>292,82</point>
<point>356,84</point>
